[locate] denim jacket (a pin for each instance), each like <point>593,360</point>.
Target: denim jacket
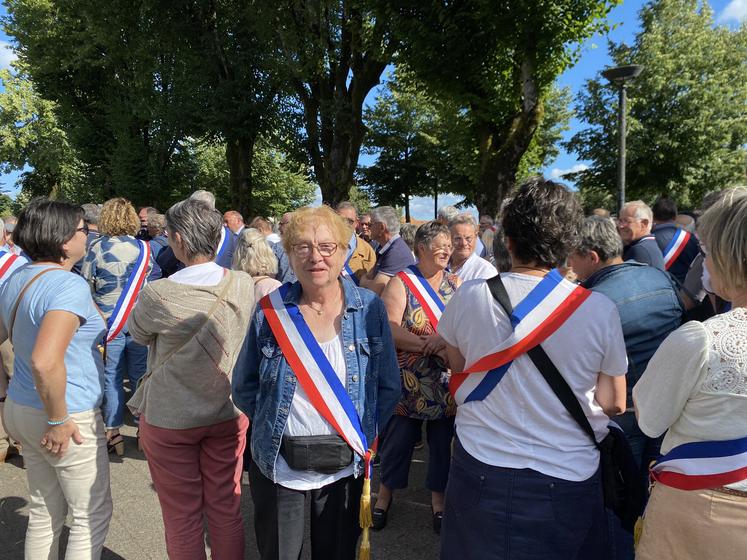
<point>649,308</point>
<point>263,382</point>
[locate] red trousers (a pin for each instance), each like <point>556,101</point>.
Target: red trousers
<point>197,472</point>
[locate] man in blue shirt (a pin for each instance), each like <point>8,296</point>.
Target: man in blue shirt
<point>634,226</point>
<point>649,308</point>
<point>393,253</point>
<point>678,246</point>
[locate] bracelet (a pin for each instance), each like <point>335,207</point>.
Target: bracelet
<point>58,422</point>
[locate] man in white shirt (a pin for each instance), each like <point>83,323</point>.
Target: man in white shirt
<point>265,228</point>
<point>465,262</point>
<point>234,221</point>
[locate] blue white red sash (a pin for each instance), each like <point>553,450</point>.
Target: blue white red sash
<point>7,260</point>
<point>424,293</point>
<point>675,247</point>
<point>538,316</point>
<point>225,237</point>
<point>346,270</point>
<point>312,369</point>
<point>128,297</point>
<point>703,464</point>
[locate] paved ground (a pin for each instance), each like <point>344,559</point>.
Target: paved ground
<point>136,531</point>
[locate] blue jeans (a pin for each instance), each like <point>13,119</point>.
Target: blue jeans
<point>496,513</point>
<point>123,355</point>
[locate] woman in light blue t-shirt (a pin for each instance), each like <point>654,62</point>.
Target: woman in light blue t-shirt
<point>53,400</point>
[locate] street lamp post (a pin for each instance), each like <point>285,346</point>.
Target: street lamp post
<point>620,76</point>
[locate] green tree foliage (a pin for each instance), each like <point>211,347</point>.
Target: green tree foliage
<point>30,136</point>
<point>496,61</point>
<point>280,185</point>
<point>335,52</point>
<point>687,123</point>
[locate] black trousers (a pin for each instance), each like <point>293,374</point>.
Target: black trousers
<point>402,433</point>
<point>279,518</point>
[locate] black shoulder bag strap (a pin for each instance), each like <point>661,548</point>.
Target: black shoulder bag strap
<point>545,366</point>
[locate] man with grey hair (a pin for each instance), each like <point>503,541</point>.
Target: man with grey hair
<point>649,308</point>
<point>634,226</point>
<point>206,196</point>
<point>361,257</point>
<point>465,262</point>
<point>9,224</point>
<point>393,253</point>
<point>446,214</point>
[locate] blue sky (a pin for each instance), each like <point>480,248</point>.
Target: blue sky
<point>593,58</point>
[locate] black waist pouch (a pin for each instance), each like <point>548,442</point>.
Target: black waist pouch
<point>323,454</point>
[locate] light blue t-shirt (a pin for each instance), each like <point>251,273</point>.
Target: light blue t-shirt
<point>58,290</point>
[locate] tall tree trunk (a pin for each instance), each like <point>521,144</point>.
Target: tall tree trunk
<point>240,157</point>
<point>502,145</point>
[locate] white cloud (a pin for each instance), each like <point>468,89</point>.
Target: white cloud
<point>6,54</point>
<point>736,10</point>
<point>557,173</point>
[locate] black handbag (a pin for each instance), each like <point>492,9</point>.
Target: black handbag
<point>623,487</point>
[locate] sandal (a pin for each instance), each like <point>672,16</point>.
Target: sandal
<point>115,443</point>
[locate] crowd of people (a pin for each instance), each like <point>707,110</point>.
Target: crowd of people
<point>311,348</point>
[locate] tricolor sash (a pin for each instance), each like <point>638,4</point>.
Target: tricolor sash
<point>424,293</point>
<point>533,320</point>
<point>346,270</point>
<point>703,464</point>
<point>128,297</point>
<point>6,263</point>
<point>675,247</point>
<point>225,234</point>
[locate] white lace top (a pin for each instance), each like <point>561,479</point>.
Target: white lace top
<point>695,386</point>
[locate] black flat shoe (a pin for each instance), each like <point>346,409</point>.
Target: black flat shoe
<point>438,517</point>
<point>379,516</point>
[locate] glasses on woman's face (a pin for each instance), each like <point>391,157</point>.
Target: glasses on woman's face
<point>83,228</point>
<point>303,250</point>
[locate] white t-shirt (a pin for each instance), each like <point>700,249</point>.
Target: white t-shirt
<point>206,274</point>
<point>475,267</point>
<point>304,420</point>
<point>521,423</point>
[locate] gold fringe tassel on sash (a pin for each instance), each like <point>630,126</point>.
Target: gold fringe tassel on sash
<point>364,517</point>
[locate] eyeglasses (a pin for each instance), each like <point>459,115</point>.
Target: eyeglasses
<point>467,240</point>
<point>350,221</point>
<point>303,250</point>
<point>84,229</point>
<point>626,221</point>
<point>442,249</point>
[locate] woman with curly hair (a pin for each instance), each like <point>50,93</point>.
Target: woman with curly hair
<point>414,299</point>
<point>116,266</point>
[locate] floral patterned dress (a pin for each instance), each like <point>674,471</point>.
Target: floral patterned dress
<point>425,391</point>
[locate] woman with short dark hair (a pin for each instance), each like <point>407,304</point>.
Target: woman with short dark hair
<point>523,475</point>
<point>57,386</point>
<point>116,267</point>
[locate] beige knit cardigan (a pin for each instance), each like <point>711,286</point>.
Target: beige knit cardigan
<point>193,387</point>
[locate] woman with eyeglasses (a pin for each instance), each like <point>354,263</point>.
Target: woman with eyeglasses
<point>414,300</point>
<point>116,267</point>
<point>52,407</point>
<point>317,377</point>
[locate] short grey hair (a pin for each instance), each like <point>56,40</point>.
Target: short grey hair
<point>156,222</point>
<point>407,233</point>
<point>346,205</point>
<point>388,216</point>
<point>599,234</point>
<point>427,232</point>
<point>464,219</point>
<point>642,210</point>
<point>447,213</point>
<point>199,226</point>
<point>205,196</point>
<point>91,213</point>
<point>253,254</point>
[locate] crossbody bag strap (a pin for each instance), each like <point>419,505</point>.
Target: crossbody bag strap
<point>546,367</point>
<point>213,308</point>
<point>13,313</point>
